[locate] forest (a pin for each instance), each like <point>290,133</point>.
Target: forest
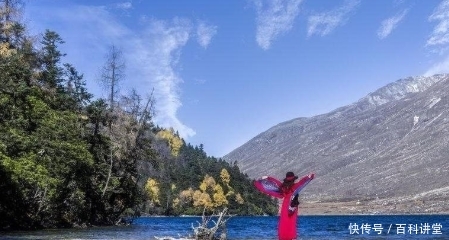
<point>68,159</point>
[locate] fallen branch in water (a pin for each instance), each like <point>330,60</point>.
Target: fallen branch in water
<point>216,232</point>
<point>204,232</point>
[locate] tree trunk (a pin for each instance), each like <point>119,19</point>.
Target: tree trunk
<point>202,232</point>
<point>109,176</point>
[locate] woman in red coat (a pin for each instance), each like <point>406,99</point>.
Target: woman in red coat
<point>288,190</point>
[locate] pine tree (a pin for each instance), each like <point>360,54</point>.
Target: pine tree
<point>52,72</point>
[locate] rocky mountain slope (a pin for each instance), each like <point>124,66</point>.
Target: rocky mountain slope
<point>391,146</point>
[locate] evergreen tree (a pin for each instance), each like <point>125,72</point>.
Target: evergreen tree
<point>52,72</point>
<point>75,87</point>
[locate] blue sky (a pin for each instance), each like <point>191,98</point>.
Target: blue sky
<point>225,71</point>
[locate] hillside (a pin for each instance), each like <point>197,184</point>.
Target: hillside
<point>390,149</point>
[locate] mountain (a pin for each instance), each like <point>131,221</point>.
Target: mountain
<point>390,149</point>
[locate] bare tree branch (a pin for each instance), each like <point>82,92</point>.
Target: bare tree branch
<point>112,73</point>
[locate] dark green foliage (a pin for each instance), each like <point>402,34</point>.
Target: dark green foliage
<point>53,145</point>
<point>76,97</point>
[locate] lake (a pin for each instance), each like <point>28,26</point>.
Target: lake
<point>309,227</point>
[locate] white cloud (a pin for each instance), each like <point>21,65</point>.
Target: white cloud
<point>324,23</point>
<point>95,22</point>
<point>156,56</point>
<point>438,42</point>
<point>440,34</point>
<point>389,24</point>
<point>124,5</point>
<point>205,33</point>
<point>274,17</point>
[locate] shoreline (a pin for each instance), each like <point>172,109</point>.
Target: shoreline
<point>363,207</point>
<point>374,207</point>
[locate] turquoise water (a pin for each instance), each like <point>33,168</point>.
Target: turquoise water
<point>309,227</point>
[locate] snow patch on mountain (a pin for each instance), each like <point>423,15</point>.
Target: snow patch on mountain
<point>401,88</point>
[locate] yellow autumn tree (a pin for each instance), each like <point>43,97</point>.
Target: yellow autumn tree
<point>176,203</point>
<point>174,141</point>
<point>5,50</point>
<point>219,196</point>
<point>186,196</point>
<point>225,177</point>
<point>152,190</point>
<point>239,198</point>
<point>202,199</point>
<point>208,188</point>
<point>208,183</point>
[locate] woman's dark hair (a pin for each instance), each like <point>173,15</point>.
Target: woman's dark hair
<point>287,185</point>
<point>289,180</point>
